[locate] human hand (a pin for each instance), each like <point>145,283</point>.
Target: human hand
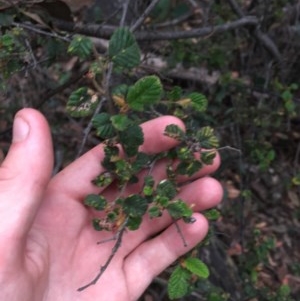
<point>47,244</point>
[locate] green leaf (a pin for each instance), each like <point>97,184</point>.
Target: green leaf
<point>120,122</point>
<point>162,201</point>
<point>166,189</point>
<point>212,214</point>
<point>148,189</point>
<point>8,42</point>
<point>216,296</point>
<point>82,102</point>
<point>296,179</point>
<point>97,68</point>
<point>284,291</point>
<point>81,46</point>
<point>112,216</point>
<point>6,19</point>
<point>141,161</point>
<point>95,201</point>
<point>103,125</point>
<point>120,90</point>
<point>208,157</point>
<point>184,153</point>
<point>134,179</point>
<point>206,138</point>
<point>146,91</point>
<point>188,167</point>
<point>131,139</point>
<point>135,205</point>
<point>178,284</point>
<point>110,158</point>
<point>286,95</point>
<point>134,222</point>
<point>55,48</point>
<point>179,209</point>
<point>123,170</point>
<point>96,224</point>
<point>154,211</point>
<point>198,101</point>
<point>161,10</point>
<point>123,49</point>
<point>175,132</point>
<point>175,93</point>
<point>294,86</point>
<point>103,180</point>
<point>197,267</point>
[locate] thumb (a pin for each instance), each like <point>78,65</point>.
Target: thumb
<point>24,175</point>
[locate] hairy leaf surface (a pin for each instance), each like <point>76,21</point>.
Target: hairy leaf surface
<point>146,91</point>
<point>178,284</point>
<point>123,49</point>
<point>197,267</point>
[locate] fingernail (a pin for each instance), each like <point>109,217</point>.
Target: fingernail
<point>20,129</point>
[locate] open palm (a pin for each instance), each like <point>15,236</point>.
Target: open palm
<point>48,248</point>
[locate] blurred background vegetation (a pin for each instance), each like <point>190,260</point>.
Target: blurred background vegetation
<point>244,55</point>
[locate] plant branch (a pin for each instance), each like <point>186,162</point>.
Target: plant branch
<point>180,233</point>
<point>89,127</point>
<point>124,13</point>
<point>34,28</point>
<point>105,31</point>
<point>174,22</point>
<point>144,15</point>
<point>114,250</point>
<point>263,38</point>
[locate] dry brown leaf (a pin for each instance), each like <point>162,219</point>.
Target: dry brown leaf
<point>261,225</point>
<point>235,249</point>
<point>232,192</point>
<point>294,198</point>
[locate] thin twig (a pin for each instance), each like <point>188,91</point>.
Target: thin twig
<point>34,28</point>
<point>105,31</point>
<point>124,14</point>
<point>144,15</point>
<point>100,242</point>
<point>180,233</point>
<point>227,147</point>
<point>114,250</point>
<point>88,129</point>
<point>263,38</point>
<point>34,60</point>
<point>173,22</point>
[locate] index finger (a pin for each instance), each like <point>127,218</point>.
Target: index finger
<point>75,179</point>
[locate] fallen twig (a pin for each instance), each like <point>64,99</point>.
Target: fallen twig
<point>105,31</point>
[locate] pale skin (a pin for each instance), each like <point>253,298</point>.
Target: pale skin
<point>47,244</point>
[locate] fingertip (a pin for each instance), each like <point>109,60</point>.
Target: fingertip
<point>155,140</point>
<point>31,149</point>
<point>213,189</point>
<point>33,117</point>
<point>196,231</point>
